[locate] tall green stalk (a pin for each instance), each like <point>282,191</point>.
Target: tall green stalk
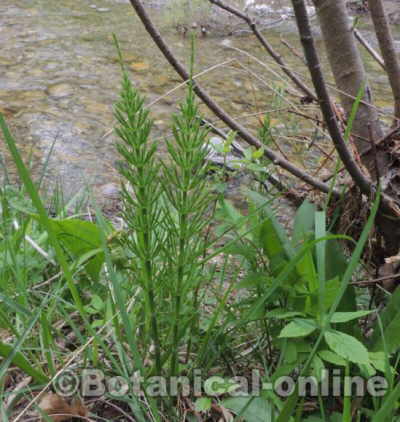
<point>184,183</point>
<point>141,212</point>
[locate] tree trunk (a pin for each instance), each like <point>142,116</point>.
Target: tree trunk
<point>386,44</point>
<point>349,74</point>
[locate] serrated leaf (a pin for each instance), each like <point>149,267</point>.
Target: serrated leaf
<point>347,346</point>
<point>298,328</point>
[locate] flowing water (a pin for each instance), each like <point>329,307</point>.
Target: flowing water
<point>59,77</point>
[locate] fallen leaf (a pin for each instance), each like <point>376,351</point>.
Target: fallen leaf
<point>59,410</point>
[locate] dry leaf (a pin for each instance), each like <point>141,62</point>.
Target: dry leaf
<point>59,409</point>
<point>392,259</point>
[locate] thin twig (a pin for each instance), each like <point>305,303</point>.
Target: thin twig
<point>289,193</point>
<point>375,280</point>
<point>267,46</point>
<point>374,54</point>
<point>293,50</point>
<point>218,111</point>
<point>378,142</point>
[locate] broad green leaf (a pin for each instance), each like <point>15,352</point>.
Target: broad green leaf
<point>331,288</point>
<point>280,313</point>
<point>303,231</point>
<point>320,249</point>
<point>290,355</point>
<point>367,370</point>
<point>97,302</point>
<point>378,360</point>
<point>317,368</point>
<point>338,317</point>
<point>390,318</point>
<point>80,237</point>
<point>251,409</point>
<point>335,266</point>
<point>290,404</point>
<point>220,386</point>
<point>347,346</point>
<point>283,244</point>
<point>330,293</point>
<point>202,404</point>
<point>331,357</point>
<point>303,225</point>
<point>298,328</point>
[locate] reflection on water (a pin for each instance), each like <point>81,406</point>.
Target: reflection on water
<point>60,78</point>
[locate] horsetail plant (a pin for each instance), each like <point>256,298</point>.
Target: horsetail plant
<point>166,209</point>
<point>141,212</point>
<point>185,185</point>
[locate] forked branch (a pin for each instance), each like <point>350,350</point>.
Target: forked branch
<point>278,59</point>
<point>218,111</point>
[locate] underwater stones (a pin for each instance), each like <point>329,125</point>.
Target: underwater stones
<point>110,191</point>
<point>60,90</point>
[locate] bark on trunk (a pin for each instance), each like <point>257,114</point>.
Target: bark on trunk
<point>388,51</point>
<point>349,74</point>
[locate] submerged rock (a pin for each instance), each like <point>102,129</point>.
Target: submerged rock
<point>60,90</point>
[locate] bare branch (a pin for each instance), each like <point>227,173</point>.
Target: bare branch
<point>218,111</point>
<point>267,46</point>
<point>388,51</point>
<point>369,48</point>
<point>314,66</point>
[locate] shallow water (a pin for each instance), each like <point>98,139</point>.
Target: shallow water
<point>60,78</point>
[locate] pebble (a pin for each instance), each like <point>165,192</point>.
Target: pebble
<point>110,191</point>
<point>60,90</point>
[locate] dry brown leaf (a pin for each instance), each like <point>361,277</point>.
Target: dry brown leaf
<point>59,409</point>
<point>392,259</point>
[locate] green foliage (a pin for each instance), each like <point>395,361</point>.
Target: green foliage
<point>82,240</point>
<point>170,298</point>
